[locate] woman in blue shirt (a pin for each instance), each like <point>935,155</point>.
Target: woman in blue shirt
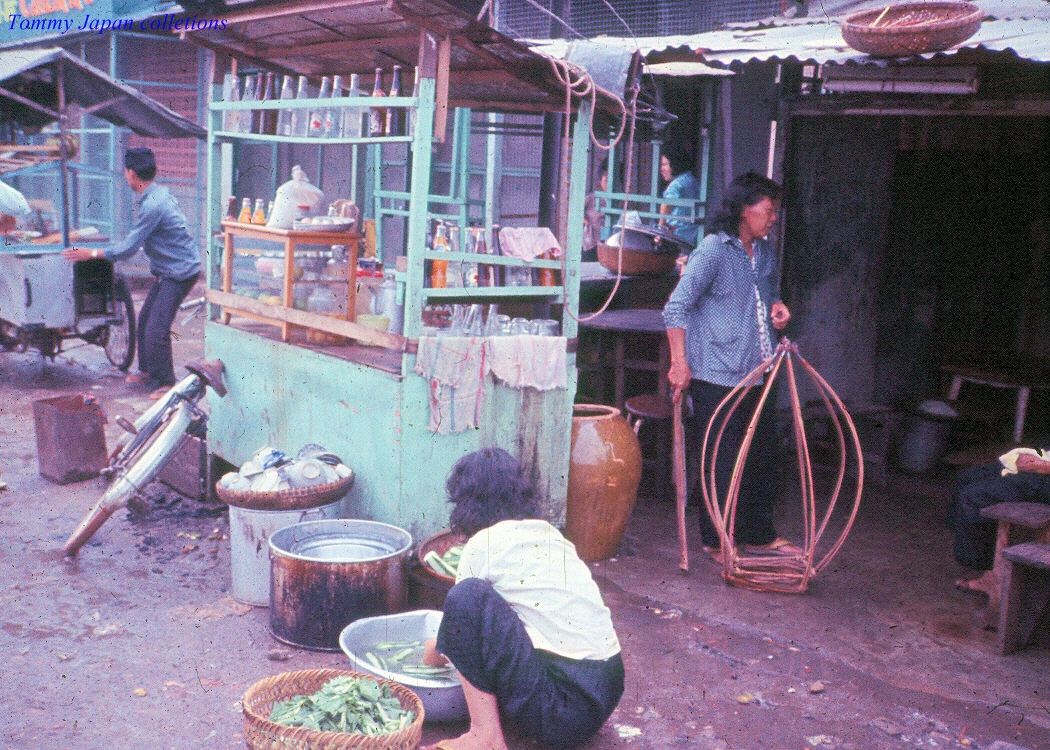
<point>719,320</point>
<point>676,169</point>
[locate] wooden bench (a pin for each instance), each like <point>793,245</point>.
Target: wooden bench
<point>1025,592</point>
<point>1017,523</point>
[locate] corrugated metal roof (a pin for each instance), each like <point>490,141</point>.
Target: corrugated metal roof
<point>1025,32</point>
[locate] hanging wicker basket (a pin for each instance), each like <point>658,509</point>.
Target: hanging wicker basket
<point>913,28</point>
<point>262,734</point>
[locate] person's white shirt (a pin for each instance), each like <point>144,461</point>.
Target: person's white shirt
<point>537,571</point>
<point>13,204</point>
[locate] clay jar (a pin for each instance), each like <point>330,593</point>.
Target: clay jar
<point>605,466</point>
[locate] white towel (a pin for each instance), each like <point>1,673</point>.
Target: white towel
<point>455,368</point>
<point>1009,459</point>
<point>528,243</point>
<point>528,361</point>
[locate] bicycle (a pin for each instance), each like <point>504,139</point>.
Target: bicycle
<point>150,442</point>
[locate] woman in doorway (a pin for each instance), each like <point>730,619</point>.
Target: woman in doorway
<point>719,319</point>
<point>676,169</point>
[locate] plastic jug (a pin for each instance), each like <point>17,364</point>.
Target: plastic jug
<point>294,200</point>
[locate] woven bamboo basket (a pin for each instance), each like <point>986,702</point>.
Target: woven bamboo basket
<point>440,543</point>
<point>911,28</point>
<point>262,734</point>
<point>637,262</point>
<point>301,498</point>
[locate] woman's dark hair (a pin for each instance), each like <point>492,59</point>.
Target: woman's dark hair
<point>678,157</point>
<point>746,190</point>
<point>486,487</point>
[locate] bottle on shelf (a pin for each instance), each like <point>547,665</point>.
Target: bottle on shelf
<point>454,270</point>
<point>250,94</point>
<point>269,116</point>
<point>377,114</point>
<point>332,114</point>
<point>231,92</point>
<point>469,269</point>
<point>245,216</point>
<point>284,118</point>
<point>351,125</point>
<point>438,266</point>
<point>547,276</point>
<point>318,114</point>
<point>300,117</point>
<point>258,216</point>
<point>257,114</point>
<point>395,116</point>
<point>231,209</point>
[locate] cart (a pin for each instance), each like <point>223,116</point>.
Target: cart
<point>44,299</point>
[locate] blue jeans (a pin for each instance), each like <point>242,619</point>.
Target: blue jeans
<point>154,329</point>
<point>557,701</point>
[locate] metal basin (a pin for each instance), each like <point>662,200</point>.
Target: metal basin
<point>326,574</point>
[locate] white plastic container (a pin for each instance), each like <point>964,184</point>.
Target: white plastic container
<point>250,532</point>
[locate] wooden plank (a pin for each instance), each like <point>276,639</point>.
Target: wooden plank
<point>277,314</point>
<point>1030,554</point>
<point>1029,515</point>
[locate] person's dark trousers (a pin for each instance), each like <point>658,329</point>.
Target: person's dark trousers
<point>556,701</point>
<point>154,330</point>
<point>761,479</point>
<point>979,487</point>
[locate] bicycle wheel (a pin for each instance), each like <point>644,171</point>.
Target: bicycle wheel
<point>120,338</point>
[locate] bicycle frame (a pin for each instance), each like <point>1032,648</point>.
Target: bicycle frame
<point>141,455</point>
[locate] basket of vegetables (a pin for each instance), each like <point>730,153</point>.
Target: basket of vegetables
<point>439,555</point>
<point>331,709</point>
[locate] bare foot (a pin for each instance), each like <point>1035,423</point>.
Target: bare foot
<point>470,741</point>
<point>986,584</point>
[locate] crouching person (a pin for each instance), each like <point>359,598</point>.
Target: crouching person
<point>525,624</point>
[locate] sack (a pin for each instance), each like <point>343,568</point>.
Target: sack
<point>295,199</point>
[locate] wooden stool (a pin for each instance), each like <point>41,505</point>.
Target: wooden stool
<point>1025,592</point>
<point>655,408</point>
<point>1017,523</point>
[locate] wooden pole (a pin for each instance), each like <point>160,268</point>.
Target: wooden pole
<point>678,459</point>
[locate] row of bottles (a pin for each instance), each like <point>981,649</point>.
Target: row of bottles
<point>455,274</point>
<point>248,214</point>
<point>336,121</point>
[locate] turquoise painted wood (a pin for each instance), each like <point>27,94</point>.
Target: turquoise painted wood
<point>284,396</point>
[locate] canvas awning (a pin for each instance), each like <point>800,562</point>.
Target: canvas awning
<point>29,95</point>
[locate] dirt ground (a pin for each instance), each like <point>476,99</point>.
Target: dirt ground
<point>137,643</point>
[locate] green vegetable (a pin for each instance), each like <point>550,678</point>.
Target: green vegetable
<point>447,564</point>
<point>345,704</point>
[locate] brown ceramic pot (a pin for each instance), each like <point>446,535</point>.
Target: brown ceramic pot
<point>605,466</point>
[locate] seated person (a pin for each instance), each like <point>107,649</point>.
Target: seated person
<point>593,219</point>
<point>524,624</point>
<point>1022,475</point>
<point>14,209</point>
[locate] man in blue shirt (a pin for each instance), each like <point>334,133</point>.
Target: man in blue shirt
<point>159,229</point>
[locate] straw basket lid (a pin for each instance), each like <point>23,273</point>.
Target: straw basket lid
<point>300,498</point>
<point>911,28</point>
<point>262,734</point>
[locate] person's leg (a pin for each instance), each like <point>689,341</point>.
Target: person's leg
<point>706,397</point>
<point>140,331</point>
<point>977,488</point>
<point>156,333</point>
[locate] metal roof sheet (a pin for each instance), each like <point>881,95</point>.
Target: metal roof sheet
<point>819,39</point>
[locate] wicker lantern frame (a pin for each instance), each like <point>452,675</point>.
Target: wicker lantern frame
<point>782,573</point>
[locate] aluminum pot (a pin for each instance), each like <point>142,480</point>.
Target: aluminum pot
<point>326,574</point>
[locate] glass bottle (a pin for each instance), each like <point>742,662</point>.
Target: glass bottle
<point>318,114</point>
<point>284,117</point>
<point>332,115</point>
<point>300,117</point>
<point>231,209</point>
<point>439,267</point>
<point>395,116</point>
<point>269,116</point>
<point>245,217</point>
<point>257,114</point>
<point>258,215</point>
<point>454,272</point>
<point>469,269</point>
<point>244,122</point>
<point>486,272</point>
<point>231,92</point>
<point>351,125</point>
<point>377,115</point>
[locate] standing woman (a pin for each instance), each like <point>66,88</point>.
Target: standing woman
<point>676,169</point>
<point>719,320</point>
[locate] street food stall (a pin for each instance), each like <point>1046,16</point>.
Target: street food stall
<point>396,392</point>
<point>44,299</point>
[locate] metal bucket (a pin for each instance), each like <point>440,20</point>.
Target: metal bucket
<point>250,532</point>
<point>326,574</point>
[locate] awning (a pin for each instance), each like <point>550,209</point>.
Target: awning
<point>29,95</point>
<point>819,40</point>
